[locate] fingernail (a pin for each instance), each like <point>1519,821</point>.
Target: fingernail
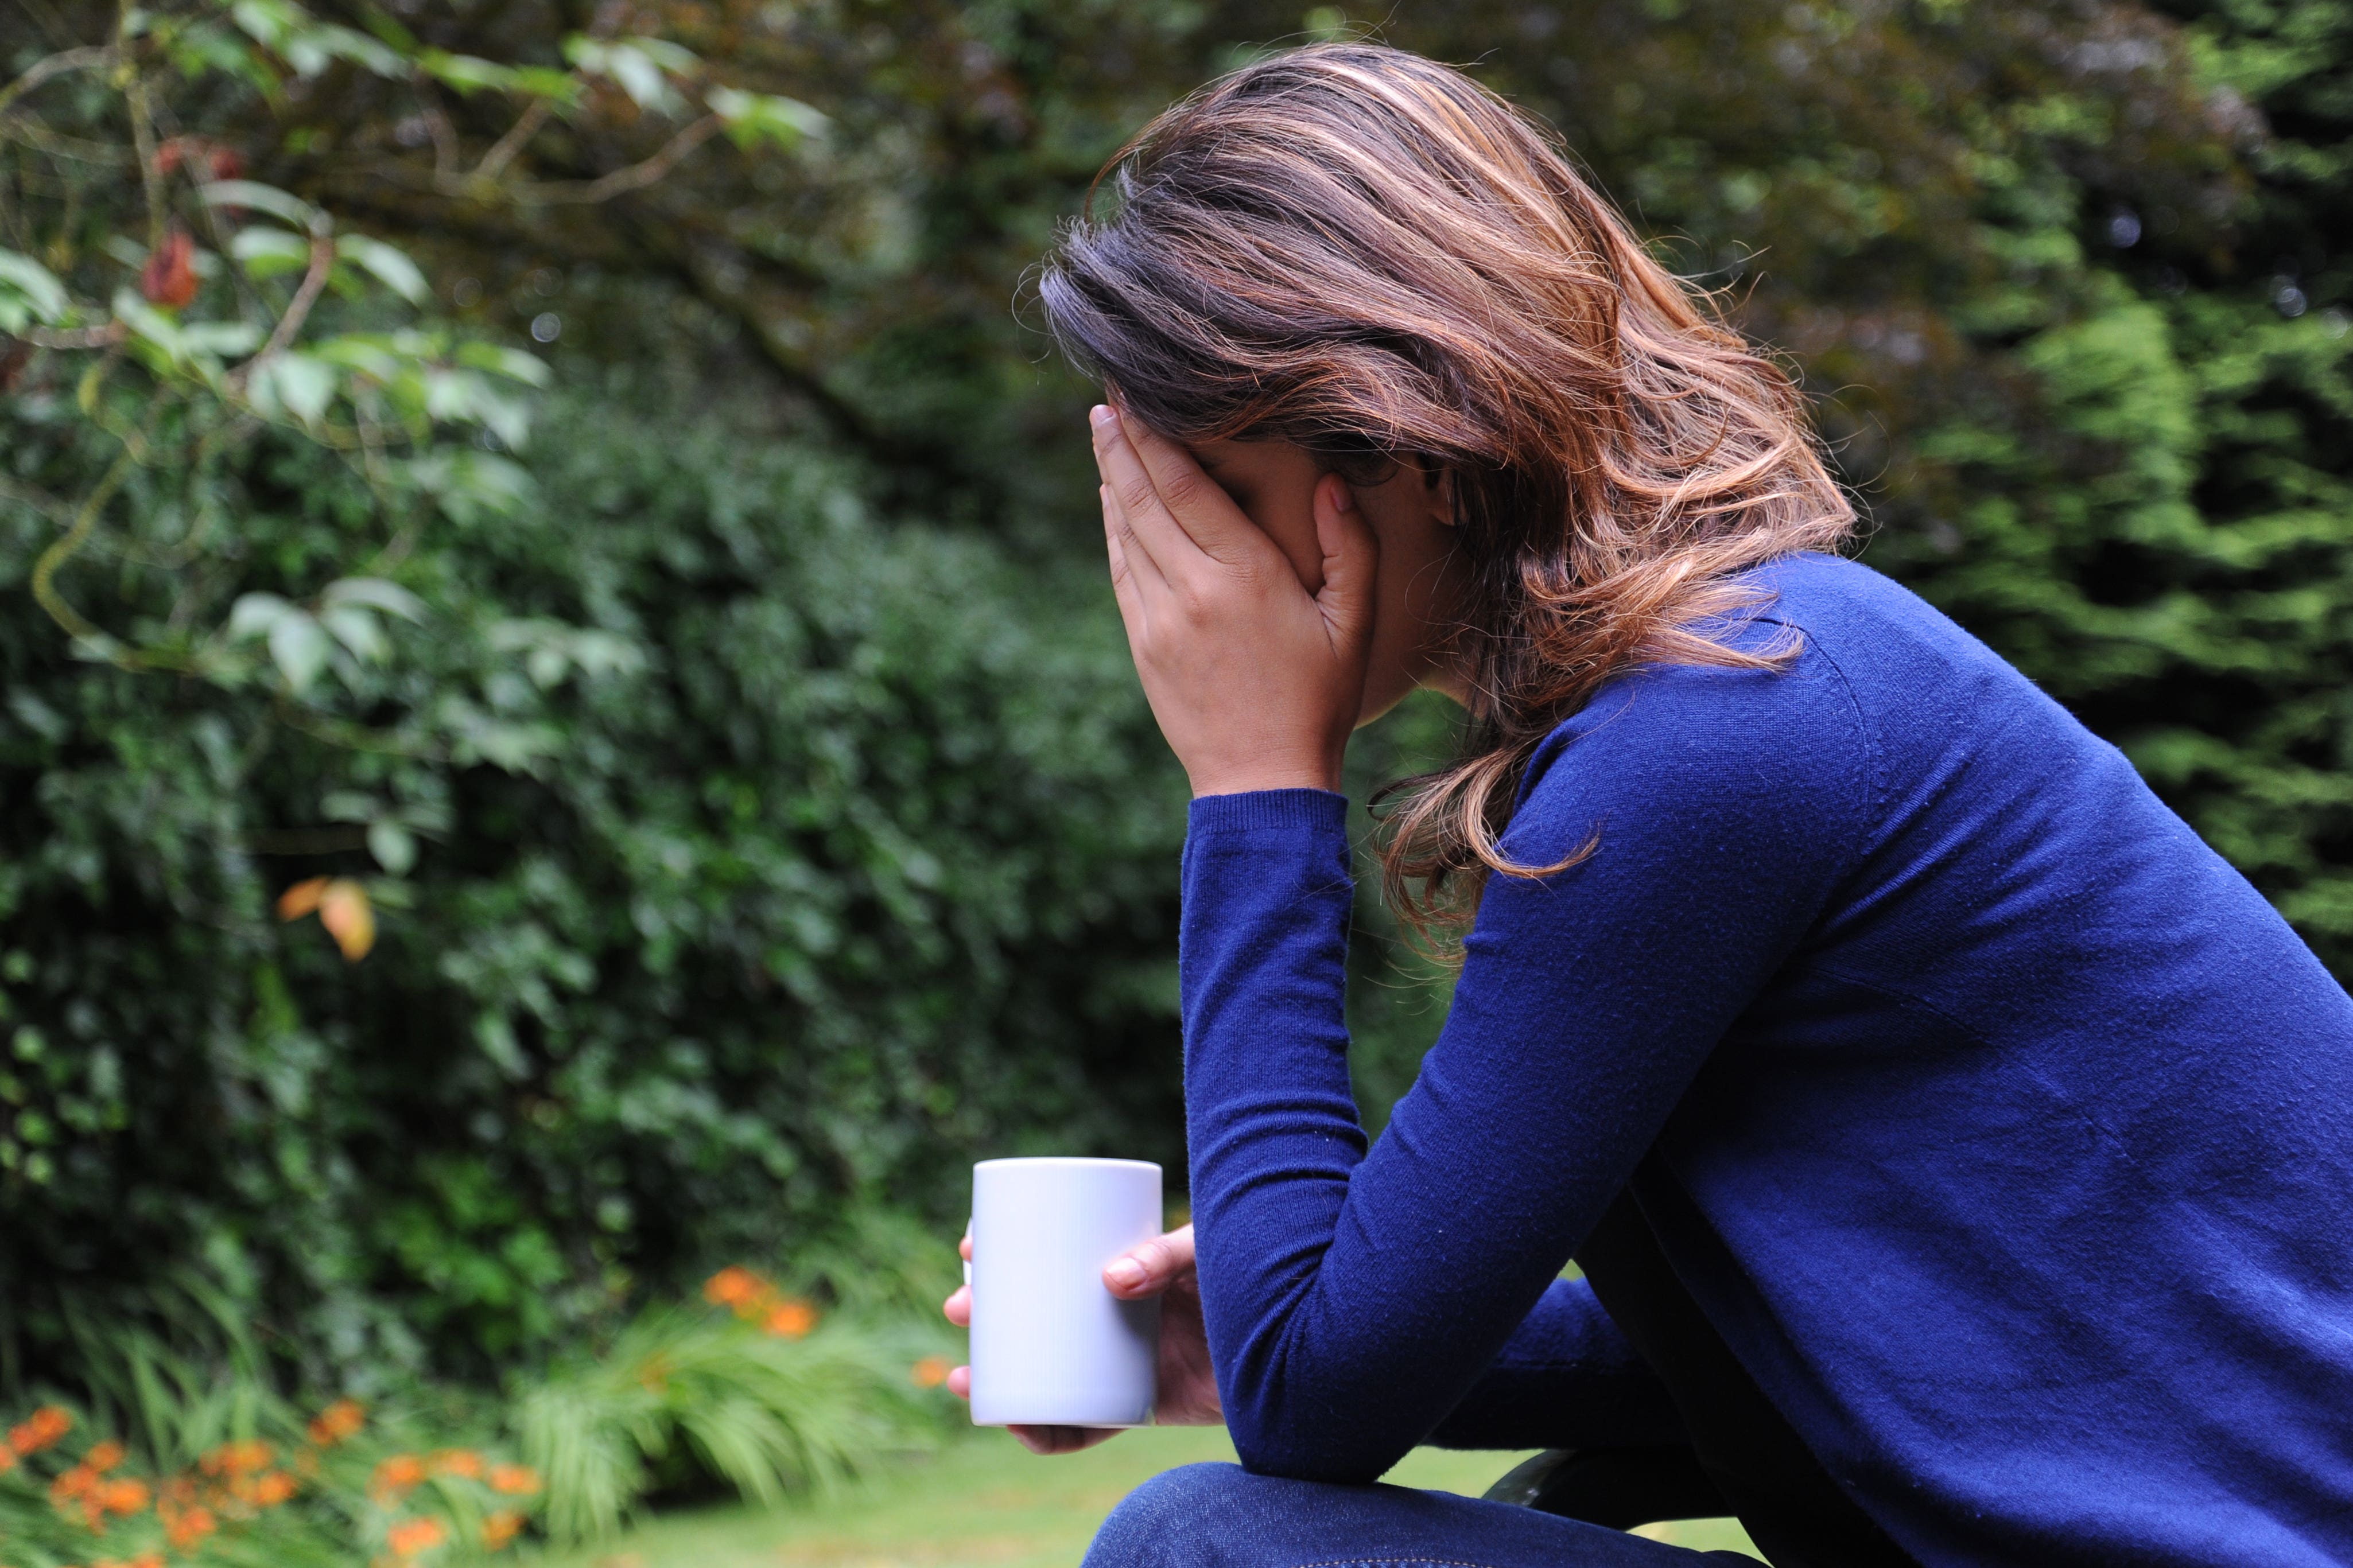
<point>1103,418</point>
<point>1126,1272</point>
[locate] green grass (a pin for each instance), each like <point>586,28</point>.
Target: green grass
<point>983,1502</point>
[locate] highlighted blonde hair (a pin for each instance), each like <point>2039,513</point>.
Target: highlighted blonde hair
<point>1365,252</point>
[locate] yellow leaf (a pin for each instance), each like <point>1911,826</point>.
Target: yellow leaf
<point>344,911</point>
<point>300,899</point>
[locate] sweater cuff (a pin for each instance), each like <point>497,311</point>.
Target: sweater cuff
<point>1315,809</point>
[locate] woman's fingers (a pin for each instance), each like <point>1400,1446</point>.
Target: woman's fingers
<point>1351,557</point>
<point>1062,1439</point>
<point>960,1381</point>
<point>1150,533</point>
<point>1148,1269</point>
<point>958,1307</point>
<point>1198,504</point>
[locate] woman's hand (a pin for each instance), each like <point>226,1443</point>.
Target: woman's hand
<point>1189,1387</point>
<point>1256,683</point>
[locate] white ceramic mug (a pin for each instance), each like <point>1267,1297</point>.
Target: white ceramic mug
<point>1052,1346</point>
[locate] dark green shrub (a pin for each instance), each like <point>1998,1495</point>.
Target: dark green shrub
<point>796,857</point>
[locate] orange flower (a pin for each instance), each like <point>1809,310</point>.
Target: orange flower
<point>272,1487</point>
<point>791,1317</point>
<point>500,1528</point>
<point>458,1462</point>
<point>411,1536</point>
<point>397,1474</point>
<point>124,1496</point>
<point>338,1421</point>
<point>7,1460</point>
<point>185,1529</point>
<point>77,1482</point>
<point>733,1287</point>
<point>930,1373</point>
<point>514,1481</point>
<point>103,1457</point>
<point>46,1426</point>
<point>240,1458</point>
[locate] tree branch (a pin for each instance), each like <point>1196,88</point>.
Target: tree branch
<point>323,261</point>
<point>87,58</point>
<point>636,177</point>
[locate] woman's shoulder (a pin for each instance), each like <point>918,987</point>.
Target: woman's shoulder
<point>1717,741</point>
<point>1862,672</point>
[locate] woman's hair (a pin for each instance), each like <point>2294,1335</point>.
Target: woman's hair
<point>1365,252</point>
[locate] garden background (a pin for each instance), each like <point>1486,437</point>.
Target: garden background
<point>563,732</point>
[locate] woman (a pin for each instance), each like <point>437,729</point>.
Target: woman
<point>1959,1153</point>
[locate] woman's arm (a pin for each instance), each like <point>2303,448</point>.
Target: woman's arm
<point>1565,1379</point>
<point>1353,1300</point>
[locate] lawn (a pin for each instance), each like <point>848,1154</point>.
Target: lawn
<point>983,1502</point>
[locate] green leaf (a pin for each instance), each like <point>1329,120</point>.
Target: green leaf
<point>311,46</point>
<point>150,324</point>
<point>753,117</point>
<point>28,291</point>
<point>390,266</point>
<point>467,73</point>
<point>295,384</point>
<point>268,199</point>
<point>472,486</point>
<point>640,67</point>
<point>370,353</point>
<point>393,847</point>
<point>268,252</point>
<point>377,595</point>
<point>229,340</point>
<point>355,626</point>
<point>513,364</point>
<point>299,646</point>
<point>254,614</point>
<point>545,82</point>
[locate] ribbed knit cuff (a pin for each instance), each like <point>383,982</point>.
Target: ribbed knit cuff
<point>1315,809</point>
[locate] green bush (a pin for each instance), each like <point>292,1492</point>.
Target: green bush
<point>780,825</point>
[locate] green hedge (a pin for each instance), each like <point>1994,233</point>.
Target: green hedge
<point>822,856</point>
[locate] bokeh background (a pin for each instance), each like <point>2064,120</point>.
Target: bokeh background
<point>723,809</point>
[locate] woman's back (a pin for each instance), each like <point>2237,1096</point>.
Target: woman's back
<point>2030,1174</point>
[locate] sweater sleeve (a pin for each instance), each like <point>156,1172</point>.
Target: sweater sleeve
<point>1565,1379</point>
<point>1354,1298</point>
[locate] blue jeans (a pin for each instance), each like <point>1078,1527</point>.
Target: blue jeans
<point>1221,1516</point>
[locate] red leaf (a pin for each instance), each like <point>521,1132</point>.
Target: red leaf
<point>169,278</point>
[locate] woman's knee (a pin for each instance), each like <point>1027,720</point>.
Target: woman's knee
<point>1182,1517</point>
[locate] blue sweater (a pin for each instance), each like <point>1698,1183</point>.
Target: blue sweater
<point>2009,1130</point>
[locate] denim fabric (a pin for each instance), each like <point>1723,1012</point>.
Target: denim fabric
<point>1221,1516</point>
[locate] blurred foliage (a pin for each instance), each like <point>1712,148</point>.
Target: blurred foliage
<point>186,1452</point>
<point>757,818</point>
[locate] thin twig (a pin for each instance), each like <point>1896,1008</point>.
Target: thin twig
<point>323,261</point>
<point>63,550</point>
<point>40,500</point>
<point>503,150</point>
<point>105,334</point>
<point>636,177</point>
<point>58,65</point>
<point>33,133</point>
<point>151,175</point>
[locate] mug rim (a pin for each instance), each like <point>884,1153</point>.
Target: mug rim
<point>1087,1160</point>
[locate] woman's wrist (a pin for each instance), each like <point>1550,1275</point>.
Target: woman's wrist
<point>1257,782</point>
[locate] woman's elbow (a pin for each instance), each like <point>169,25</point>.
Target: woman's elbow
<point>1304,1451</point>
